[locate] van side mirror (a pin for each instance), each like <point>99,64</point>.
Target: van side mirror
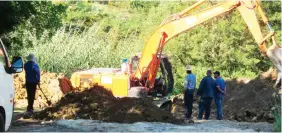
<point>17,65</point>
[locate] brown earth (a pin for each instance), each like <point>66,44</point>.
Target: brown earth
<point>49,85</point>
<point>246,100</point>
<point>252,100</point>
<point>98,103</point>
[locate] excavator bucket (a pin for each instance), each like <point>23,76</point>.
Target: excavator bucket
<point>65,85</point>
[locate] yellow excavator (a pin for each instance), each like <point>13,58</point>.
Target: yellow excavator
<point>137,78</point>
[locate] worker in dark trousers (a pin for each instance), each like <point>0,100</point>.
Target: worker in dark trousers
<point>189,87</point>
<point>219,93</point>
<point>205,91</point>
<point>32,78</point>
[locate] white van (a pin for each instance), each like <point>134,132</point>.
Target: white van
<point>7,90</point>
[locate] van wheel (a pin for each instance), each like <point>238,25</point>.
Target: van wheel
<point>2,123</point>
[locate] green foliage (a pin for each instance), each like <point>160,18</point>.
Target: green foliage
<point>143,5</point>
<point>13,13</point>
<point>43,16</point>
<point>99,34</point>
<point>277,124</point>
<point>222,44</point>
<point>69,51</point>
<point>84,14</point>
<point>48,16</point>
<point>276,112</point>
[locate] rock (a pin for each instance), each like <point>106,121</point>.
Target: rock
<point>86,108</point>
<point>94,106</point>
<point>255,119</point>
<point>250,113</point>
<point>268,116</point>
<point>67,116</point>
<point>273,108</point>
<point>258,130</point>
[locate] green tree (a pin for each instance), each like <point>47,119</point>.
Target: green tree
<point>39,16</point>
<point>13,13</point>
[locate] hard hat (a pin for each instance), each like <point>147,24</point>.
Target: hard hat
<point>189,67</point>
<point>31,57</point>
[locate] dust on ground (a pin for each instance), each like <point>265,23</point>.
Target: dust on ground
<point>246,100</point>
<point>98,126</point>
<point>30,125</point>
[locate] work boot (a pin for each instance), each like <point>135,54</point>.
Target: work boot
<point>29,111</point>
<point>219,119</point>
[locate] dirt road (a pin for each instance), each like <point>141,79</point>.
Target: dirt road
<point>26,125</point>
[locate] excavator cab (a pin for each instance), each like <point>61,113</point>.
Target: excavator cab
<point>165,81</point>
<point>163,85</point>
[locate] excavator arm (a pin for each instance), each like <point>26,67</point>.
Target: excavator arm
<point>183,21</point>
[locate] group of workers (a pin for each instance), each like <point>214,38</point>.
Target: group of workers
<point>208,90</point>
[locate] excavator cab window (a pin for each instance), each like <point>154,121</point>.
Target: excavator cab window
<point>164,82</point>
<point>134,66</point>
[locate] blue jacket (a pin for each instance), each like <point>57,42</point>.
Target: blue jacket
<point>32,72</point>
<point>221,84</point>
<point>190,83</point>
<point>206,87</point>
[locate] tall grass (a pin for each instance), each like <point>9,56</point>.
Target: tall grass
<point>71,50</point>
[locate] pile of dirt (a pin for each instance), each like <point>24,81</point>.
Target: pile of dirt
<point>98,103</point>
<point>252,100</point>
<point>49,85</point>
<point>248,100</point>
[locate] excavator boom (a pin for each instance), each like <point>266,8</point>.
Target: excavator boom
<point>179,23</point>
<point>132,83</point>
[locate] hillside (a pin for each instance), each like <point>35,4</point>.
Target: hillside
<point>75,35</point>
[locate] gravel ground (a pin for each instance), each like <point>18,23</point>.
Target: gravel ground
<point>198,126</point>
<point>26,125</point>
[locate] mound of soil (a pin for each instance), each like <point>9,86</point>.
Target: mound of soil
<point>98,103</point>
<point>252,100</point>
<point>49,85</point>
<point>249,100</point>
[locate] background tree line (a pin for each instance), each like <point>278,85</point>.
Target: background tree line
<point>68,36</point>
